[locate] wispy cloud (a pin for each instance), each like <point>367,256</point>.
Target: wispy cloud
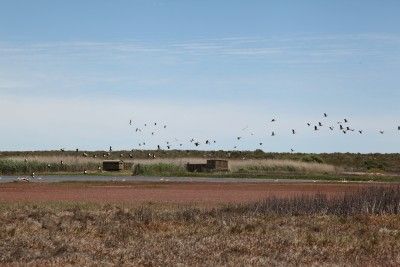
<point>325,45</point>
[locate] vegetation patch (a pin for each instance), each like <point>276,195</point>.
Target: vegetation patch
<point>360,229</point>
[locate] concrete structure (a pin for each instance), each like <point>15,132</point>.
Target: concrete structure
<point>113,165</point>
<point>211,165</point>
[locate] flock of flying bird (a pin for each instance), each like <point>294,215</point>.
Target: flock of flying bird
<point>344,126</point>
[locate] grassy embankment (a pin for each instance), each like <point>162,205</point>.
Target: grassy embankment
<point>361,229</point>
<point>378,167</point>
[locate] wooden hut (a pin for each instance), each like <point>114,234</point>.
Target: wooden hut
<point>211,165</point>
<point>217,165</point>
<point>113,165</point>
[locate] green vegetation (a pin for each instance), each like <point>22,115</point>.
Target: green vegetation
<point>243,164</point>
<point>159,169</point>
<point>13,167</point>
<point>360,229</point>
<point>375,162</point>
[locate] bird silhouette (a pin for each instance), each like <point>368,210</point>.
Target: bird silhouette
<point>325,115</point>
<point>293,131</point>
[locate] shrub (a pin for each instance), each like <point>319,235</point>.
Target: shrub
<point>312,158</point>
<point>158,169</point>
<point>373,200</point>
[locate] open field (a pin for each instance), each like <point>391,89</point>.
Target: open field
<point>359,228</point>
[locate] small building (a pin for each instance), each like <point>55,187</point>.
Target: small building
<point>196,167</point>
<point>113,165</point>
<point>209,166</point>
<point>217,165</point>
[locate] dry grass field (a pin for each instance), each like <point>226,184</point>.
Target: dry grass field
<point>361,229</point>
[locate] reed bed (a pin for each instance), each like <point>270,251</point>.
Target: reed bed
<point>157,166</point>
<point>272,165</point>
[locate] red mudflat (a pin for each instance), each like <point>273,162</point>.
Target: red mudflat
<point>205,193</point>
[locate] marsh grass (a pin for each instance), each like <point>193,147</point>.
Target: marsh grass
<point>373,200</point>
<point>13,167</point>
<point>256,165</point>
<point>157,169</point>
<point>158,166</point>
<point>298,231</point>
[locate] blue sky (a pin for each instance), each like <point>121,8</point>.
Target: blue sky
<point>208,69</point>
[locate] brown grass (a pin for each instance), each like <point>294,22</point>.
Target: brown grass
<point>236,165</point>
<point>160,235</point>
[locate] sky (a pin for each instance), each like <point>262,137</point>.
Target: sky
<point>73,73</point>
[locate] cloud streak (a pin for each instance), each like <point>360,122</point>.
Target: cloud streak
<point>328,45</point>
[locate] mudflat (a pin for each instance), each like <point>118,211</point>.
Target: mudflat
<point>170,192</point>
